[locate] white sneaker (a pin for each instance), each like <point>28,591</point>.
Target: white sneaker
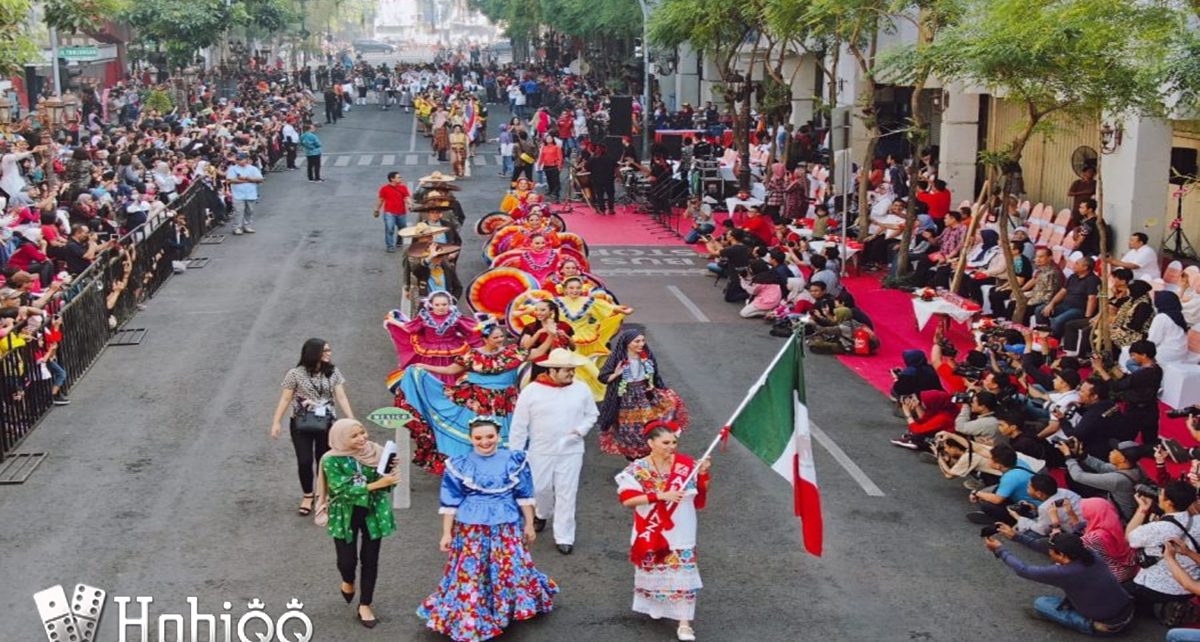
<point>248,229</point>
<point>237,231</point>
<point>685,633</point>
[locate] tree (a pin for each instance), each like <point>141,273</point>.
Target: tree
<point>521,19</point>
<point>910,64</point>
<point>16,47</point>
<point>1063,60</point>
<point>81,16</point>
<point>180,26</point>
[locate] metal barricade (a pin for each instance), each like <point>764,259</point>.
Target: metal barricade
<point>97,303</point>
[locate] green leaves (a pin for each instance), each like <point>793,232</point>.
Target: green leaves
<point>80,15</point>
<point>16,48</point>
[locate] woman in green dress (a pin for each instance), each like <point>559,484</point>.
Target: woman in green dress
<point>353,499</point>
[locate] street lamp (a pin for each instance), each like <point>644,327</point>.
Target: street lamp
<point>644,4</point>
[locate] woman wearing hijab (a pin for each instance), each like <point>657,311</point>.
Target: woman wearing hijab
<point>776,192</point>
<point>353,501</point>
<point>1189,295</point>
<point>1131,320</point>
<point>984,259</point>
<point>765,288</point>
<point>1105,535</point>
<point>1168,329</point>
<point>927,413</point>
<point>634,396</point>
<point>915,377</point>
<point>487,529</point>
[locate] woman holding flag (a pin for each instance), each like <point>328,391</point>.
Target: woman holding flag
<point>665,490</point>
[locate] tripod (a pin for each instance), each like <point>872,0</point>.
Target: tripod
<point>1177,237</point>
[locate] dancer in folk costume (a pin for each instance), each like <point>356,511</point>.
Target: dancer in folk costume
<point>635,396</point>
<point>435,337</point>
<point>665,495</point>
<point>487,527</point>
<point>487,386</point>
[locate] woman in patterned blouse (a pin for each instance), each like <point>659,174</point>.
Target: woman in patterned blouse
<point>353,499</point>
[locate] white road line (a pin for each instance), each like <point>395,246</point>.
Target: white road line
<point>848,464</point>
<point>410,159</point>
<point>499,159</point>
<point>342,161</point>
<point>689,304</point>
<point>412,139</point>
<point>431,159</point>
<point>388,160</point>
<point>365,159</point>
<point>480,160</point>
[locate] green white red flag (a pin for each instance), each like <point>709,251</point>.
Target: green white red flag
<point>772,422</point>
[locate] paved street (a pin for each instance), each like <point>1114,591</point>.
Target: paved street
<point>162,481</point>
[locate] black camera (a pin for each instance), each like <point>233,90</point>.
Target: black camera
<point>1069,411</point>
<point>1026,510</point>
<point>989,531</point>
<point>963,397</point>
<point>1149,491</point>
<point>967,371</point>
<point>1190,411</point>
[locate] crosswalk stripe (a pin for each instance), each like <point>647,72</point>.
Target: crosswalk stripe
<point>479,160</point>
<point>410,159</point>
<point>342,161</point>
<point>499,159</point>
<point>365,159</point>
<point>432,160</point>
<point>388,160</point>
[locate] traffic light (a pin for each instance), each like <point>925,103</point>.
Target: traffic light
<point>69,76</point>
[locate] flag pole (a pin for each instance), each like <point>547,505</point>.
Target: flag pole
<point>762,379</point>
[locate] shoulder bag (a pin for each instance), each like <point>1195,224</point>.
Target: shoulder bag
<point>308,422</point>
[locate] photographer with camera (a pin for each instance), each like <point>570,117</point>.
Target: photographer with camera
<point>1041,404</point>
<point>1118,478</point>
<point>1139,389</point>
<point>1012,489</point>
<point>1094,421</point>
<point>1172,551</point>
<point>1013,431</point>
<point>1154,587</point>
<point>927,413</point>
<point>977,418</point>
<point>1094,602</point>
<point>1046,516</point>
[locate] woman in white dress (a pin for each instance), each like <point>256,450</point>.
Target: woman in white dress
<point>665,490</point>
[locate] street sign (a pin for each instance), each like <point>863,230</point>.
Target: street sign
<point>83,53</point>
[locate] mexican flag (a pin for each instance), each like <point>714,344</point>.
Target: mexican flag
<point>772,422</point>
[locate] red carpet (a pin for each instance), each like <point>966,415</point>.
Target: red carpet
<point>627,227</point>
<point>895,324</point>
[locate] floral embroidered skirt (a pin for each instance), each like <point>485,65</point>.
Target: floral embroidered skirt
<point>639,406</point>
<point>667,588</point>
<point>489,582</point>
<point>425,451</point>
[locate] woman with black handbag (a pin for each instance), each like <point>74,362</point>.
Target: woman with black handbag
<point>309,392</point>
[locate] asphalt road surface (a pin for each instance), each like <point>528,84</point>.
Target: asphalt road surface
<point>161,479</point>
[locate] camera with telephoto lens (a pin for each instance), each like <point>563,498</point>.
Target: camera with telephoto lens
<point>1069,411</point>
<point>1149,491</point>
<point>963,397</point>
<point>1180,413</point>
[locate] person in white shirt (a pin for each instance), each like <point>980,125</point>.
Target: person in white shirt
<point>1155,584</point>
<point>291,142</point>
<point>552,416</point>
<point>1140,258</point>
<point>11,179</point>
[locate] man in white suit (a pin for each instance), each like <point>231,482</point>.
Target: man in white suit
<point>552,416</point>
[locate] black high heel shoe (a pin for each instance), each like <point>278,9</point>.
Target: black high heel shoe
<point>370,624</point>
<point>347,596</point>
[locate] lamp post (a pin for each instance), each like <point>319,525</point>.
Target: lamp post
<point>644,4</point>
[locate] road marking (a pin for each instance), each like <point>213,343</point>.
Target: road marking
<point>365,159</point>
<point>848,464</point>
<point>342,161</point>
<point>499,159</point>
<point>479,160</point>
<point>411,159</point>
<point>412,139</point>
<point>388,160</point>
<point>432,160</point>
<point>689,304</point>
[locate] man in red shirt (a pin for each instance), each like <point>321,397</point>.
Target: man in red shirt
<point>937,197</point>
<point>394,199</point>
<point>760,226</point>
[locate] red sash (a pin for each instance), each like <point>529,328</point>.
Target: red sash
<point>650,539</point>
<point>545,380</point>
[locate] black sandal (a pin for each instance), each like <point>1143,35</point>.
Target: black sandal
<point>305,511</point>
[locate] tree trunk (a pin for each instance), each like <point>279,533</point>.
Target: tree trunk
<point>864,171</point>
<point>918,138</point>
<point>743,141</point>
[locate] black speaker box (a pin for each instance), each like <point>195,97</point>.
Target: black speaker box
<point>620,116</point>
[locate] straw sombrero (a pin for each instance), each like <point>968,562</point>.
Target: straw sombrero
<point>422,229</point>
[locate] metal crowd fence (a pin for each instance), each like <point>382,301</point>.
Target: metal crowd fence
<point>96,305</point>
